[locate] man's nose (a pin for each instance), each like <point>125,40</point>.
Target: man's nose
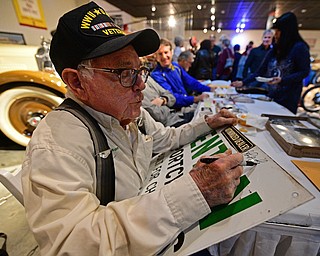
<point>139,84</point>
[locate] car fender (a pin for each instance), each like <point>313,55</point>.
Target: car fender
<point>42,79</point>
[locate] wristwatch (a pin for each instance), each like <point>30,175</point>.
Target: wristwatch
<point>165,101</point>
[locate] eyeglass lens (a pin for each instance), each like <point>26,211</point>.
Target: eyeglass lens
<point>129,76</point>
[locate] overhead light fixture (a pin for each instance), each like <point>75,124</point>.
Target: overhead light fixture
<point>172,21</point>
<point>153,8</point>
<point>171,8</point>
<point>205,30</point>
<point>199,7</point>
<point>213,28</point>
<point>219,30</point>
<point>213,17</point>
<point>213,10</point>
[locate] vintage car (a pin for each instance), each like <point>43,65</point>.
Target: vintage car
<point>29,89</point>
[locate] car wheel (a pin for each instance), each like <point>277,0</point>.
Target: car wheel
<point>310,100</point>
<point>21,110</point>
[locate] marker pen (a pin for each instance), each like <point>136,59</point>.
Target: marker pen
<point>212,159</point>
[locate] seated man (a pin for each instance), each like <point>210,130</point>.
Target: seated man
<point>101,67</point>
<point>185,60</point>
<point>176,80</point>
<point>157,101</point>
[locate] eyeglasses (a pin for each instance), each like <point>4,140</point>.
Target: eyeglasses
<point>127,76</point>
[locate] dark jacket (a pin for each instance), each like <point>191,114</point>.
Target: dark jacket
<point>254,60</point>
<point>221,70</point>
<point>202,66</point>
<point>293,69</point>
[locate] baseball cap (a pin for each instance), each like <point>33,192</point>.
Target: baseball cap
<point>88,32</point>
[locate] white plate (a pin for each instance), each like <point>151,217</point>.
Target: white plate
<point>263,79</point>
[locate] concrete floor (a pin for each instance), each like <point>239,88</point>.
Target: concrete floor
<point>20,241</point>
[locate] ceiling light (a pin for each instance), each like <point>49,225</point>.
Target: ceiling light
<point>223,11</point>
<point>205,30</point>
<point>199,7</point>
<point>213,17</point>
<point>303,10</point>
<point>153,8</point>
<point>171,8</point>
<point>213,10</point>
<point>213,2</point>
<point>219,30</point>
<point>171,21</point>
<point>213,28</point>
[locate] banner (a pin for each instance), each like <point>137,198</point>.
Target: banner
<point>265,190</point>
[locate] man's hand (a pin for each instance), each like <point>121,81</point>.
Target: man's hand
<point>218,180</point>
<point>275,80</point>
<point>237,84</point>
<point>222,118</point>
<point>200,97</point>
<point>157,101</point>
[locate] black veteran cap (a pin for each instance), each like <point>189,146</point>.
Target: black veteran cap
<point>88,32</point>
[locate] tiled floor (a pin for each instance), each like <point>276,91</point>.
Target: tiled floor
<point>20,241</point>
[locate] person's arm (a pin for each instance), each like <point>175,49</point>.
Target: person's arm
<point>59,180</point>
<point>261,71</point>
<point>248,63</point>
<point>300,56</point>
<point>193,84</point>
<point>172,138</point>
<point>182,99</point>
<point>221,63</point>
<point>159,113</point>
<point>65,215</point>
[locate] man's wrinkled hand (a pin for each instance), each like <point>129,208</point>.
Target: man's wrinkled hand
<point>218,180</point>
<point>224,117</point>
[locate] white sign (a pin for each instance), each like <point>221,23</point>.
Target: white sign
<point>265,190</point>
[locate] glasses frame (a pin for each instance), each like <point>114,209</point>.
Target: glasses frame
<point>119,72</point>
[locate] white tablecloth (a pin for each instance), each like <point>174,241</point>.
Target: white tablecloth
<point>296,232</point>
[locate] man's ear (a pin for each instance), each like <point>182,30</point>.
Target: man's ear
<point>71,78</point>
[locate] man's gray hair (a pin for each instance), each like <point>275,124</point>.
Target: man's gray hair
<point>185,55</point>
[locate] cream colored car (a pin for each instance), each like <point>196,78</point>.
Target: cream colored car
<point>26,95</point>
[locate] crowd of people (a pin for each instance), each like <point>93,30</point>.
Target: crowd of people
<point>106,77</point>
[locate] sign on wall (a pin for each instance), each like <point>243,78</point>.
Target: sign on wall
<point>30,13</point>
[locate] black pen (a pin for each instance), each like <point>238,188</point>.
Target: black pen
<point>212,159</point>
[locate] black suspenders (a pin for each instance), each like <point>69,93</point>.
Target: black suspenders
<point>104,160</point>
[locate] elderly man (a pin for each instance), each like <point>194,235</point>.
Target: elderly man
<point>157,101</point>
<point>257,54</point>
<point>185,60</point>
<point>101,67</point>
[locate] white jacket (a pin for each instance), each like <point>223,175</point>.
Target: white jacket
<point>59,181</point>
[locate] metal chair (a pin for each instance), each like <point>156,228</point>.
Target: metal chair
<point>10,177</point>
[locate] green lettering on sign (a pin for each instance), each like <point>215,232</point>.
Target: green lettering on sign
<point>222,212</point>
<point>207,145</point>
